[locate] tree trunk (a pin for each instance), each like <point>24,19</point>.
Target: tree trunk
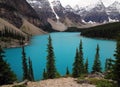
<point>118,82</point>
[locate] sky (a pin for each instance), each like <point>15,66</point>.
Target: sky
<point>84,3</point>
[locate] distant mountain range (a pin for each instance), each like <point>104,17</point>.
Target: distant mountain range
<point>99,13</point>
<point>94,13</point>
<point>47,16</point>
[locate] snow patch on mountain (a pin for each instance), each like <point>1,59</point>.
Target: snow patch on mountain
<point>113,20</point>
<point>52,7</point>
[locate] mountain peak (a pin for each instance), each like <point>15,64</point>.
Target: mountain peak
<point>69,8</point>
<point>76,7</point>
<point>114,7</point>
<point>56,3</point>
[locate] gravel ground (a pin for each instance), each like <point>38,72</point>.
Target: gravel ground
<point>60,82</point>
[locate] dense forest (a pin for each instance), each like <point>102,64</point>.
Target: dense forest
<point>109,31</point>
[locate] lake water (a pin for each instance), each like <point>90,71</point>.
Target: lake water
<point>65,45</point>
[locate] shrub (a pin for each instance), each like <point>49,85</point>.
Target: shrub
<point>19,86</point>
<point>102,83</point>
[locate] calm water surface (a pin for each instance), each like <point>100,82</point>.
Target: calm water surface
<point>65,45</point>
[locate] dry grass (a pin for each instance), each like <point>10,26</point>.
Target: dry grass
<point>11,28</point>
<point>30,28</point>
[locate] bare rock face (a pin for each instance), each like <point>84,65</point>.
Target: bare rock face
<point>43,9</point>
<point>14,10</point>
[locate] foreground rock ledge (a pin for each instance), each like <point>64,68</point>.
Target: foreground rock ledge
<point>60,82</point>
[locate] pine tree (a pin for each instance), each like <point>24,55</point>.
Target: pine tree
<point>86,67</point>
<point>97,64</point>
<point>76,65</point>
<point>81,59</point>
<point>109,68</point>
<point>51,69</point>
<point>108,64</point>
<point>24,63</point>
<point>116,69</point>
<point>67,71</point>
<point>6,75</point>
<point>44,74</point>
<point>31,74</point>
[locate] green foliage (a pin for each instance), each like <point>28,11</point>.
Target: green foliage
<point>86,67</point>
<point>44,75</point>
<point>81,59</point>
<point>31,74</point>
<point>116,67</point>
<point>109,31</point>
<point>19,86</point>
<point>10,33</point>
<point>97,64</point>
<point>76,66</point>
<point>57,75</point>
<point>102,83</point>
<point>51,69</point>
<point>6,75</point>
<point>109,69</point>
<point>67,72</point>
<point>25,66</point>
<point>74,29</point>
<point>82,76</point>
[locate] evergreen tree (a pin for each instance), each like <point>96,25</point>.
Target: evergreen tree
<point>44,74</point>
<point>109,68</point>
<point>108,64</point>
<point>97,64</point>
<point>67,71</point>
<point>6,75</point>
<point>51,69</point>
<point>86,67</point>
<point>116,69</point>
<point>76,65</point>
<point>24,63</point>
<point>31,75</point>
<point>81,59</point>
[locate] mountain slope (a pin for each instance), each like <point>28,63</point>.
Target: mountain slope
<point>10,27</point>
<point>45,11</point>
<point>99,13</point>
<point>30,29</point>
<point>114,10</point>
<point>14,10</point>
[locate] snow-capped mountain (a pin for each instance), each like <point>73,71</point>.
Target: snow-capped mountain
<point>115,7</point>
<point>45,11</point>
<point>68,8</point>
<point>113,11</point>
<point>98,12</point>
<point>94,13</point>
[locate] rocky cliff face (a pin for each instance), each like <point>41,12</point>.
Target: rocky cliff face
<point>14,10</point>
<point>43,9</point>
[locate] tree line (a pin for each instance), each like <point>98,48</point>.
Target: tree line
<point>110,31</point>
<point>7,32</point>
<point>50,72</point>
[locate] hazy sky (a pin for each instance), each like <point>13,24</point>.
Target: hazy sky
<point>85,2</point>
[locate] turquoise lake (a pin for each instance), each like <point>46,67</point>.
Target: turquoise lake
<point>65,45</point>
